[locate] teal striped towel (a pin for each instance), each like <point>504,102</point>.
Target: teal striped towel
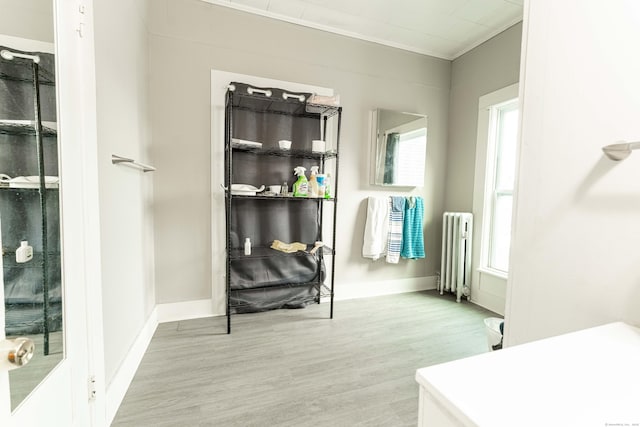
<point>412,235</point>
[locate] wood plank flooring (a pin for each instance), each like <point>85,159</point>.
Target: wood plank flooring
<point>299,368</point>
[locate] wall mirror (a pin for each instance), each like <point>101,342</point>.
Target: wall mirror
<point>31,278</point>
<point>400,148</point>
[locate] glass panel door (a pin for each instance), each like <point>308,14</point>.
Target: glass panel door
<point>29,194</point>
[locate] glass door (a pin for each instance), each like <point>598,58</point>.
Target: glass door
<point>42,284</point>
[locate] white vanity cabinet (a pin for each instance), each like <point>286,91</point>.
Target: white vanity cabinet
<point>585,378</point>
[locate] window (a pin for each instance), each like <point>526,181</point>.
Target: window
<point>499,182</point>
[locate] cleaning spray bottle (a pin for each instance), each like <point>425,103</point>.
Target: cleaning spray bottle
<point>313,182</point>
<point>321,178</point>
<point>327,186</point>
<point>301,186</point>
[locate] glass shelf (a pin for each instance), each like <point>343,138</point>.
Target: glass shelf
<point>283,198</point>
<point>301,110</point>
<point>266,252</point>
<point>27,127</point>
<point>303,154</point>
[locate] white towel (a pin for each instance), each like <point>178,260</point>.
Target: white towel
<point>376,228</point>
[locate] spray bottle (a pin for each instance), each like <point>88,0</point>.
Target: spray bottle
<point>327,186</point>
<point>313,182</point>
<point>301,186</point>
<point>321,178</point>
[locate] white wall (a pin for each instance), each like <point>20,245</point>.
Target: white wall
<point>27,19</point>
<point>125,193</point>
<point>574,260</point>
<point>189,38</point>
<point>493,65</point>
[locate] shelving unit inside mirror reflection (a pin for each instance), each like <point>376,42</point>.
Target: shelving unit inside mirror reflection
<point>29,194</point>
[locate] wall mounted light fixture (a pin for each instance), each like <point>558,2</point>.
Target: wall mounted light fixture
<point>621,150</point>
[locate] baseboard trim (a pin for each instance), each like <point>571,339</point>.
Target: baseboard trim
<point>121,381</point>
<point>490,307</point>
<point>175,311</point>
<point>489,291</point>
<point>384,287</point>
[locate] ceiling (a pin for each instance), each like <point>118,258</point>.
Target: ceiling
<point>442,28</point>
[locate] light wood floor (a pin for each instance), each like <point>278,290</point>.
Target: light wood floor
<point>298,368</point>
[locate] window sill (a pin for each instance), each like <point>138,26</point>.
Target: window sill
<point>493,272</point>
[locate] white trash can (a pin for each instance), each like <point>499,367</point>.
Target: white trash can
<point>494,336</point>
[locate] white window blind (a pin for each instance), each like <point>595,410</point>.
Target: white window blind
<point>501,166</point>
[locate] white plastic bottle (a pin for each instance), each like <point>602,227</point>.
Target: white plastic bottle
<point>313,183</point>
<point>24,253</point>
<point>247,246</point>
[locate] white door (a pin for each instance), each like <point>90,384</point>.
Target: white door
<point>62,397</point>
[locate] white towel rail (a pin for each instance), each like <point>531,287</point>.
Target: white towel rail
<point>116,160</point>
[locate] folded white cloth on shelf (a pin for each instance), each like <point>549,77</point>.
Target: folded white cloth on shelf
<point>376,228</point>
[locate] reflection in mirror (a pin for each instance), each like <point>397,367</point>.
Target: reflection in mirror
<point>400,148</point>
<point>31,277</point>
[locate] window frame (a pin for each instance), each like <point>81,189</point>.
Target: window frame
<point>484,177</point>
<point>493,191</point>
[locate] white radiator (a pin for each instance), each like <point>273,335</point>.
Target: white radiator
<point>455,267</point>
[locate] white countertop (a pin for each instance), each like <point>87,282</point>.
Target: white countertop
<point>586,378</point>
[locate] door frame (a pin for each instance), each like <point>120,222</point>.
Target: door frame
<point>81,219</point>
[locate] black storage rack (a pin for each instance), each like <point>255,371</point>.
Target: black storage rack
<point>272,101</point>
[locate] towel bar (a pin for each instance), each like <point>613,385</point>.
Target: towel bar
<point>115,159</point>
